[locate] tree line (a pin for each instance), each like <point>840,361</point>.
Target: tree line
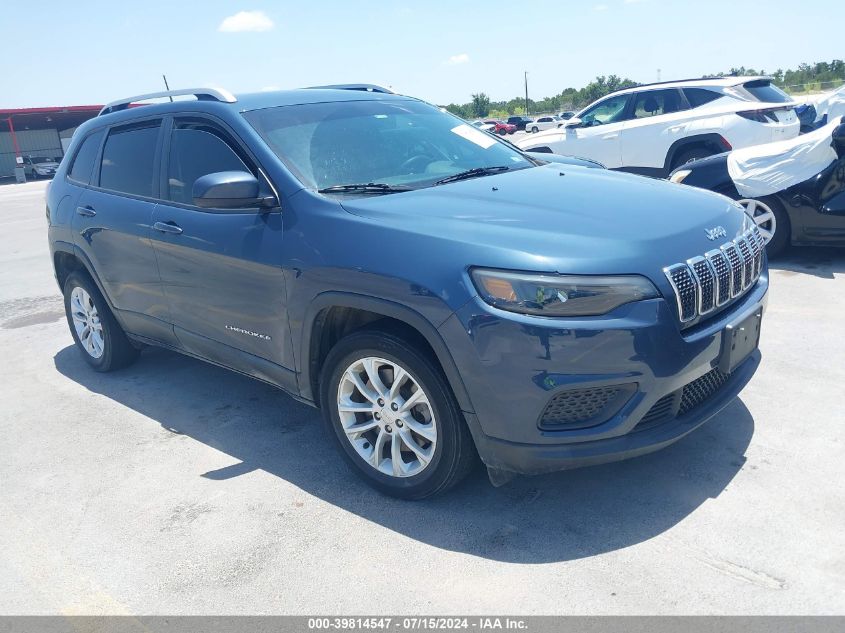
<point>818,76</point>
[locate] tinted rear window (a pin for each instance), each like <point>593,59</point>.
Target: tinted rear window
<point>700,96</point>
<point>83,162</point>
<point>763,90</point>
<point>128,159</point>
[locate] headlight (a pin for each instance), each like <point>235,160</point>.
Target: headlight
<point>559,295</point>
<point>679,175</point>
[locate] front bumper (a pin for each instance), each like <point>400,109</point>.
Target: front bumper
<point>512,366</point>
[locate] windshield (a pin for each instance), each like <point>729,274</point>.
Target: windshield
<point>41,159</point>
<point>399,143</point>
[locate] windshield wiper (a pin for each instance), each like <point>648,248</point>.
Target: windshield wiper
<point>472,173</point>
<point>369,187</point>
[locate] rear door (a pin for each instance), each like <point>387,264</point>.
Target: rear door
<point>221,269</point>
<point>111,225</point>
<point>658,118</point>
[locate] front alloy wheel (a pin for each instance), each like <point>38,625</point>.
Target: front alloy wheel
<point>392,412</point>
<point>763,217</point>
<point>387,417</point>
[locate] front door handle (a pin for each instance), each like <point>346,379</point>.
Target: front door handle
<point>610,137</point>
<point>86,211</point>
<point>168,227</point>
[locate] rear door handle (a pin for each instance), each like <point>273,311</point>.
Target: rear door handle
<point>609,137</point>
<point>86,211</point>
<point>168,227</point>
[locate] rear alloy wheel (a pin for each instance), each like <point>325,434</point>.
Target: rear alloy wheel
<point>771,221</point>
<point>97,334</point>
<point>394,416</point>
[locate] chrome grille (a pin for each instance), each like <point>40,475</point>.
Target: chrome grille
<point>703,283</point>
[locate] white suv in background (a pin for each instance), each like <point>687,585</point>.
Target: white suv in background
<point>652,129</point>
<point>544,123</point>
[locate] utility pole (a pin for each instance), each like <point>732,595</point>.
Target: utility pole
<point>526,93</point>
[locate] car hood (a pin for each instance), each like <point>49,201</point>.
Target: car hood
<point>51,165</point>
<point>560,218</point>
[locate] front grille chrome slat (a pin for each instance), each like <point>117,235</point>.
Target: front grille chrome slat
<point>705,279</point>
<point>722,267</point>
<point>686,293</point>
<point>706,282</point>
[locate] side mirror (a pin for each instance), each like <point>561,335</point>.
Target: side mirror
<point>573,122</point>
<point>838,137</point>
<point>229,190</point>
<point>836,205</point>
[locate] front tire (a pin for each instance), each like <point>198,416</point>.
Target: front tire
<point>98,336</point>
<point>535,129</point>
<point>394,417</point>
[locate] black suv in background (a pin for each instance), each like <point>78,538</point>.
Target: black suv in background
<point>520,121</point>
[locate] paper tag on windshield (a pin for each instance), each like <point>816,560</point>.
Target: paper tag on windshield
<point>476,136</point>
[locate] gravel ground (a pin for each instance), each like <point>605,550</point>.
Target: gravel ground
<point>175,487</point>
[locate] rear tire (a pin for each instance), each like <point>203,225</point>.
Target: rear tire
<point>687,156</point>
<point>97,334</point>
<point>435,449</point>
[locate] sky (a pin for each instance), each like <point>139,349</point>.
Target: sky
<point>58,52</point>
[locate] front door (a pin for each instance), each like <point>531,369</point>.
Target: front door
<point>599,134</point>
<point>221,269</point>
<point>823,205</point>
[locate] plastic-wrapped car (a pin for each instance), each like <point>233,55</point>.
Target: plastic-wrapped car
<point>794,190</point>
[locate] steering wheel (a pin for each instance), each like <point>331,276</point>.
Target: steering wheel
<point>415,164</point>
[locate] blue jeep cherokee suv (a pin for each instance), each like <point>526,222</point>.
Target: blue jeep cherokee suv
<point>438,293</point>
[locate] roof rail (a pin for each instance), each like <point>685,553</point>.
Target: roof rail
<point>695,79</point>
<point>202,94</point>
<point>359,87</point>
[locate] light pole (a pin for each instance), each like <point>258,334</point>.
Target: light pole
<point>526,93</point>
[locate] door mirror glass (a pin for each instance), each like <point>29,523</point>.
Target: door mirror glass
<point>229,190</point>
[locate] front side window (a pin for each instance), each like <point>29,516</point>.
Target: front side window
<point>611,110</point>
<point>405,143</point>
<point>656,102</point>
<point>197,149</point>
<point>83,162</point>
<point>128,159</point>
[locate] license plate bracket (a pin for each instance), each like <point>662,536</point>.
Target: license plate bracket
<point>739,340</point>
